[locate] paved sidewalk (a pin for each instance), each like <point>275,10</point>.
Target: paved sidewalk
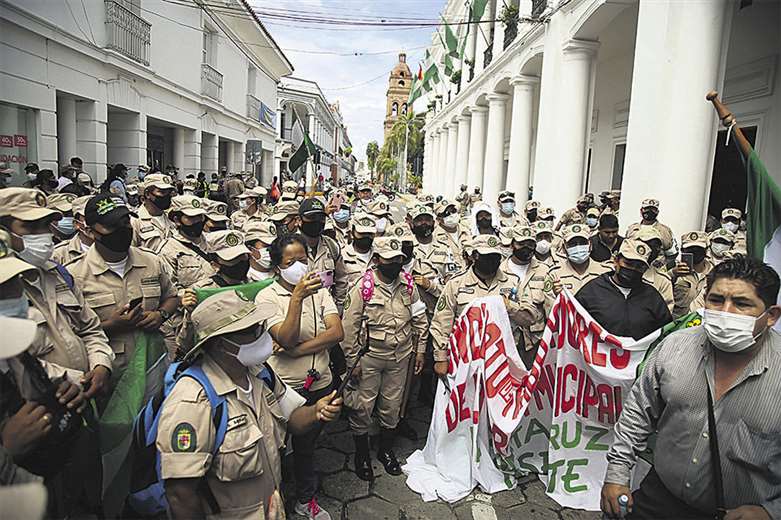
<point>345,496</point>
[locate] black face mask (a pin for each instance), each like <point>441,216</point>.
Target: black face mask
<point>408,249</point>
<point>487,265</point>
<point>163,202</point>
<point>628,278</point>
<point>390,271</point>
<point>648,215</point>
<point>698,254</point>
<point>117,241</point>
<point>363,244</point>
<point>524,254</point>
<point>313,229</point>
<point>531,216</point>
<point>193,230</point>
<point>484,223</point>
<point>236,271</point>
<point>423,230</point>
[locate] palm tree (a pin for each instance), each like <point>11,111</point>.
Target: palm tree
<point>372,152</point>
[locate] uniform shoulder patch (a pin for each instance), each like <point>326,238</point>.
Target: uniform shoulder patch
<point>441,303</point>
<point>548,287</point>
<point>183,438</point>
<point>347,301</point>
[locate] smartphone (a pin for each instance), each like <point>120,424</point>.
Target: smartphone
<point>327,278</point>
<point>688,259</point>
<point>135,302</point>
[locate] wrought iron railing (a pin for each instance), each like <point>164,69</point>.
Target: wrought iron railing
<point>488,55</point>
<point>211,82</point>
<point>127,33</point>
<point>510,32</point>
<point>538,7</point>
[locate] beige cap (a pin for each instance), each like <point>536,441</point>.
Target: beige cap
<point>216,210</point>
<point>506,195</point>
<point>284,209</point>
<point>84,178</point>
<point>486,244</point>
<point>506,236</point>
<point>541,226</point>
<point>592,212</point>
<point>157,180</point>
<point>266,232</point>
<point>522,233</point>
<point>364,223</point>
<point>646,233</point>
<point>544,213</point>
<point>379,208</point>
<point>649,203</point>
<point>387,247</point>
<point>576,230</point>
<point>634,250</point>
<point>25,204</point>
<point>614,194</point>
<point>220,314</point>
<point>694,238</point>
<point>364,186</point>
<point>247,194</point>
<point>442,205</point>
<point>132,189</point>
<point>228,244</point>
<point>79,204</point>
<point>61,201</point>
<point>188,204</point>
<point>19,333</point>
<point>532,204</point>
<point>401,231</point>
<point>420,210</point>
<point>289,190</point>
<point>719,233</point>
<point>10,265</point>
<point>731,212</point>
<point>260,191</point>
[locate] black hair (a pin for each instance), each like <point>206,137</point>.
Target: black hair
<point>608,221</point>
<point>280,243</point>
<point>759,274</point>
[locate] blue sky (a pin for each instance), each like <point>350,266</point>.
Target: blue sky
<point>363,102</point>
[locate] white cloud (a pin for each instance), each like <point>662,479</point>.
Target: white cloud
<point>363,106</point>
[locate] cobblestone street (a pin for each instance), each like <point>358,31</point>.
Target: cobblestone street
<point>345,496</point>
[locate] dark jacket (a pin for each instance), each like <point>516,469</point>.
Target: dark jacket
<point>600,252</point>
<point>635,316</point>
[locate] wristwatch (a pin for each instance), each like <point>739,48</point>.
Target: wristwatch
<point>165,314</point>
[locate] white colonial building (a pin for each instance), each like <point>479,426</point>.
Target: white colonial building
<point>138,82</point>
<point>592,95</point>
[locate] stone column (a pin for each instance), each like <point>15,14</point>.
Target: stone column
<point>66,129</point>
<point>493,181</point>
<point>442,160</point>
<point>448,185</point>
<point>179,151</point>
<point>474,176</point>
<point>433,163</point>
<point>209,154</point>
<point>229,155</point>
<point>671,132</point>
<point>498,45</point>
<point>126,139</point>
<point>192,152</point>
<point>240,157</point>
<point>91,119</point>
<point>462,152</point>
<point>469,53</point>
<point>427,161</point>
<point>519,160</point>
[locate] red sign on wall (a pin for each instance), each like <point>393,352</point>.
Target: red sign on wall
<point>7,141</point>
<point>20,140</point>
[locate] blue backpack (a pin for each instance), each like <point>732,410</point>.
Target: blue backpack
<point>147,491</point>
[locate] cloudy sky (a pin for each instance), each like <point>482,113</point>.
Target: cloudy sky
<point>357,82</point>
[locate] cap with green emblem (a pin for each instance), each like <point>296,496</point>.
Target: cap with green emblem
<point>576,230</point>
<point>486,244</point>
<point>694,239</point>
<point>266,232</point>
<point>388,247</point>
<point>524,233</point>
<point>227,244</point>
<point>221,314</point>
<point>364,223</point>
<point>188,205</point>
<point>420,210</point>
<point>25,204</point>
<point>635,250</point>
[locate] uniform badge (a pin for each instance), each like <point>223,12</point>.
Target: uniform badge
<point>492,242</point>
<point>272,230</point>
<point>40,199</point>
<point>347,302</point>
<point>398,231</point>
<point>232,240</point>
<point>395,245</point>
<point>548,287</point>
<point>640,249</point>
<point>441,304</point>
<point>184,439</point>
<point>221,209</point>
<point>196,203</point>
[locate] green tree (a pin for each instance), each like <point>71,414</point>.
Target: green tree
<point>372,152</point>
<point>414,137</point>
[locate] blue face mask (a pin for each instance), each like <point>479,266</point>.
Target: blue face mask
<point>342,216</point>
<point>508,207</point>
<point>65,226</point>
<point>14,307</point>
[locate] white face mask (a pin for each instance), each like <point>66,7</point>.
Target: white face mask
<point>543,247</point>
<point>243,203</point>
<point>451,220</point>
<point>591,222</point>
<point>719,249</point>
<point>382,223</point>
<point>254,353</point>
<point>578,254</point>
<point>14,307</point>
<point>508,207</point>
<point>730,332</point>
<point>264,259</point>
<point>37,249</point>
<point>730,226</point>
<point>294,273</point>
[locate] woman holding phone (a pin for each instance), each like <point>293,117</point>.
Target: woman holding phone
<point>304,323</point>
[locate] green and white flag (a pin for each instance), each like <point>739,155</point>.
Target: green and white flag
<point>451,42</point>
<point>305,150</point>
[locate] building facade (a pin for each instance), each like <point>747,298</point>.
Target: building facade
<point>590,95</point>
<point>139,82</point>
<point>399,85</point>
<point>343,167</point>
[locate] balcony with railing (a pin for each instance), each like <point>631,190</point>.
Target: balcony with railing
<point>211,82</point>
<point>127,33</point>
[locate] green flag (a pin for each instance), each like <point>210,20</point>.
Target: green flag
<point>451,42</point>
<point>417,86</point>
<point>763,222</point>
<point>305,150</point>
<point>248,291</point>
<point>477,10</point>
<point>684,322</point>
<point>141,380</point>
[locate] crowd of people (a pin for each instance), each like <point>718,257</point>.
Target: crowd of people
<point>362,298</point>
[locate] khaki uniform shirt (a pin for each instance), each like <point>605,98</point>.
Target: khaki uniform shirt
<point>105,292</point>
<point>461,290</point>
<point>240,219</point>
<point>233,187</point>
<point>246,469</point>
<point>740,242</point>
<point>396,320</point>
<point>66,252</point>
<point>464,203</point>
<point>662,283</point>
<point>571,279</point>
<point>328,257</point>
<point>453,244</point>
<point>665,233</point>
<point>352,268</point>
<point>434,262</point>
<point>571,216</point>
<point>185,265</point>
<point>149,231</point>
<point>342,235</point>
<point>508,221</point>
<point>687,288</point>
<point>69,334</point>
<point>272,303</point>
<point>537,288</point>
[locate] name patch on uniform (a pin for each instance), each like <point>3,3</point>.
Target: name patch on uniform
<point>235,422</point>
<point>184,440</point>
<point>466,290</point>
